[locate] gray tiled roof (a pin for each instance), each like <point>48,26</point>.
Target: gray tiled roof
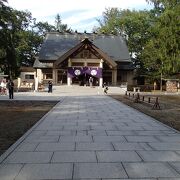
<point>125,66</point>
<point>56,44</point>
<point>38,64</point>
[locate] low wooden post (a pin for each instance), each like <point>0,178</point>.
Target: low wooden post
<point>149,100</point>
<point>137,99</point>
<point>156,104</point>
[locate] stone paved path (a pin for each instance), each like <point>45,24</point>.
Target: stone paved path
<point>94,138</point>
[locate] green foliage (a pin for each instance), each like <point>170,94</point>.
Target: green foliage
<point>162,51</point>
<point>2,2</point>
<point>133,26</point>
<point>152,36</point>
<point>21,37</point>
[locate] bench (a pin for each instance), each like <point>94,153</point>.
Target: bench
<point>150,100</point>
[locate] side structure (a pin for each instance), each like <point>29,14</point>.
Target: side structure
<point>77,58</point>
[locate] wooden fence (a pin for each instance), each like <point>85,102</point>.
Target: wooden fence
<point>151,100</point>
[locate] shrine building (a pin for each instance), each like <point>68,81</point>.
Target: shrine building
<point>72,58</point>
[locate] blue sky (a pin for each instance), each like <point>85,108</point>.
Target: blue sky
<point>80,15</point>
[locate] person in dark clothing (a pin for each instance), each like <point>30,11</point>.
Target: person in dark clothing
<point>106,89</point>
<point>10,86</point>
<point>49,87</point>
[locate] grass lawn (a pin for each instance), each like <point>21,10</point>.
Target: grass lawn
<point>16,117</point>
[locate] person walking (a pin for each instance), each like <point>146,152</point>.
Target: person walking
<point>49,87</point>
<point>105,88</point>
<point>91,81</point>
<point>10,86</point>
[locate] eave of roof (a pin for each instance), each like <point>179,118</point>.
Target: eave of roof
<point>37,64</point>
<point>82,44</point>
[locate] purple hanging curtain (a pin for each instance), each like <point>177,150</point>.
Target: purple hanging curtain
<point>96,72</point>
<point>75,71</point>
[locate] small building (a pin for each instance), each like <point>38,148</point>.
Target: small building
<point>27,73</point>
<point>172,85</point>
<point>72,58</point>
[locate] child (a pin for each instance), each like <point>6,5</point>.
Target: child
<point>106,89</point>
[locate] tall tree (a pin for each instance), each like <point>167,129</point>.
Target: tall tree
<point>12,23</point>
<point>31,41</point>
<point>21,38</point>
<point>152,36</point>
<point>134,26</point>
<point>2,2</point>
<point>59,26</point>
<point>162,52</point>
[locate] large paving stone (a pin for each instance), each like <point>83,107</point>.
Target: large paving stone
<point>50,128</point>
<point>130,128</point>
<point>132,179</point>
<point>79,127</point>
<point>38,133</point>
<point>94,146</point>
<point>147,133</point>
<point>165,146</point>
<point>9,171</point>
<point>161,128</point>
<point>87,179</point>
<point>56,146</point>
<point>74,156</point>
<point>26,147</point>
<point>109,127</point>
<point>141,139</point>
<point>120,133</point>
<point>169,138</point>
<point>81,133</point>
<point>171,132</point>
<point>89,123</point>
<point>76,139</point>
<point>42,139</point>
<point>159,156</point>
<point>128,146</point>
<point>168,178</point>
<point>65,124</point>
<point>29,157</point>
<point>176,165</point>
<point>118,156</point>
<point>99,170</point>
<point>46,171</point>
<point>150,170</point>
<point>97,133</point>
<point>61,133</point>
<point>109,139</point>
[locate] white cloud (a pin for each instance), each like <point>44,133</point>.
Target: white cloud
<point>45,10</point>
<point>81,17</point>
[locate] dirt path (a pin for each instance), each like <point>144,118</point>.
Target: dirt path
<point>169,113</point>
